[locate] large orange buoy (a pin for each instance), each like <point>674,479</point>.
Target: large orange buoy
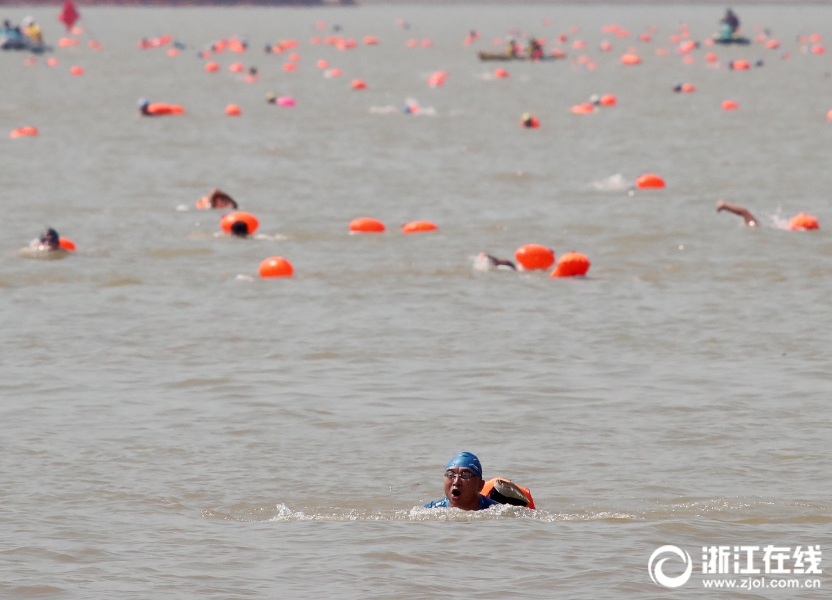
<point>803,221</point>
<point>276,266</point>
<point>608,100</point>
<point>24,131</point>
<point>583,109</point>
<point>211,67</point>
<point>571,264</point>
<point>161,108</point>
<point>358,84</point>
<point>418,226</point>
<point>649,180</point>
<point>76,70</point>
<point>366,225</point>
<point>505,491</point>
<point>630,59</point>
<point>500,73</point>
<point>535,256</point>
<point>730,105</point>
<point>66,244</point>
<point>249,219</point>
<point>232,110</point>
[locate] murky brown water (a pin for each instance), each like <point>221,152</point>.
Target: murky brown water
<point>170,429</point>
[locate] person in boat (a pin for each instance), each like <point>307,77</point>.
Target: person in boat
<point>49,240</point>
<point>511,49</point>
<point>497,262</point>
<point>217,199</point>
<point>463,483</point>
<point>534,49</point>
<point>731,20</point>
<point>750,220</point>
<point>32,30</point>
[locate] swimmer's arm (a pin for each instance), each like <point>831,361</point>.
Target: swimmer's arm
<point>750,220</point>
<point>497,262</point>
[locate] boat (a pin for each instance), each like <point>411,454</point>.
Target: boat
<point>14,39</point>
<point>555,55</point>
<point>742,41</point>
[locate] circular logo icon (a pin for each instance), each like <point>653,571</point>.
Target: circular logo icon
<point>659,577</point>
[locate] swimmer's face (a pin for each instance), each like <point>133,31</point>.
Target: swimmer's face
<point>461,492</point>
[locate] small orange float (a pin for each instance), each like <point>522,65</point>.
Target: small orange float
<point>370,40</point>
<point>232,110</point>
<point>76,70</point>
<point>172,52</point>
<point>535,256</point>
<point>211,67</point>
<point>227,221</point>
<point>772,44</point>
<point>276,266</point>
<point>741,65</point>
<point>236,67</point>
<point>505,491</point>
<point>161,108</point>
<point>711,57</point>
<point>571,264</point>
<point>583,109</point>
<point>817,49</point>
<point>630,59</point>
<point>730,105</point>
<point>322,64</point>
<point>366,225</point>
<point>688,88</point>
<point>358,84</point>
<point>67,42</point>
<point>500,73</point>
<point>648,181</point>
<point>66,244</point>
<point>608,100</point>
<point>290,66</point>
<point>803,222</point>
<point>51,62</point>
<point>23,132</point>
<point>418,226</point>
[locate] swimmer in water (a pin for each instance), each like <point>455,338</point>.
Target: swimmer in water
<point>497,262</point>
<point>239,229</point>
<point>144,103</point>
<point>271,98</point>
<point>49,240</point>
<point>463,483</point>
<point>750,220</point>
<point>217,199</point>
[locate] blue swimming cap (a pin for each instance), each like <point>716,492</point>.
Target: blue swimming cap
<point>467,460</point>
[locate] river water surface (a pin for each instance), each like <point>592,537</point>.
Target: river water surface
<point>172,426</point>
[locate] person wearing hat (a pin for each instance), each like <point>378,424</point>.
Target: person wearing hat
<point>463,483</point>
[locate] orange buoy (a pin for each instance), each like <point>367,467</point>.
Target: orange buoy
<point>358,84</point>
<point>66,244</point>
<point>500,73</point>
<point>662,52</point>
<point>418,226</point>
<point>688,88</point>
<point>427,43</point>
<point>322,64</point>
<point>67,42</point>
<point>232,110</point>
<point>236,67</point>
<point>772,44</point>
<point>51,62</point>
<point>412,43</point>
<point>370,40</point>
<point>23,132</point>
<point>609,100</point>
<point>649,181</point>
<point>290,66</point>
<point>333,73</point>
<point>606,46</point>
<point>276,266</point>
<point>829,116</point>
<point>366,225</point>
<point>583,109</point>
<point>227,221</point>
<point>730,105</point>
<point>571,264</point>
<point>803,222</point>
<point>741,65</point>
<point>76,70</point>
<point>294,57</point>
<point>173,52</point>
<point>493,488</point>
<point>211,67</point>
<point>630,59</point>
<point>711,57</point>
<point>161,108</point>
<point>578,44</point>
<point>535,256</point>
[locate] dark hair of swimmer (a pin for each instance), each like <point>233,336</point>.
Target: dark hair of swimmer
<point>143,104</point>
<point>50,239</point>
<point>501,262</point>
<point>240,229</point>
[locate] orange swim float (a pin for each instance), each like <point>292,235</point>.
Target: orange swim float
<point>650,180</point>
<point>249,219</point>
<point>358,84</point>
<point>609,100</point>
<point>505,491</point>
<point>24,131</point>
<point>161,108</point>
<point>571,264</point>
<point>66,244</point>
<point>500,73</point>
<point>276,266</point>
<point>583,109</point>
<point>76,70</point>
<point>730,105</point>
<point>630,59</point>
<point>418,226</point>
<point>211,67</point>
<point>366,225</point>
<point>535,256</point>
<point>232,110</point>
<point>803,222</point>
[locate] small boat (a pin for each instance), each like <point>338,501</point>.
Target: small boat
<point>13,39</point>
<point>556,55</point>
<point>731,40</point>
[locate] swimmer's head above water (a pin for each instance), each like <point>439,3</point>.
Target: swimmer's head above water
<point>240,229</point>
<point>50,239</point>
<point>143,103</point>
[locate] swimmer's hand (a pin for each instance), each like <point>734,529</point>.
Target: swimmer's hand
<point>720,205</point>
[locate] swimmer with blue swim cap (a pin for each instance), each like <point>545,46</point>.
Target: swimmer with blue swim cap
<point>463,483</point>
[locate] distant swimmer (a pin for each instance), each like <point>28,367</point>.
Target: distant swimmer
<point>240,229</point>
<point>48,246</point>
<point>271,98</point>
<point>216,199</point>
<point>463,483</point>
<point>750,220</point>
<point>144,104</point>
<point>488,259</point>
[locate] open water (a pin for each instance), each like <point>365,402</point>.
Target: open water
<point>172,426</point>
